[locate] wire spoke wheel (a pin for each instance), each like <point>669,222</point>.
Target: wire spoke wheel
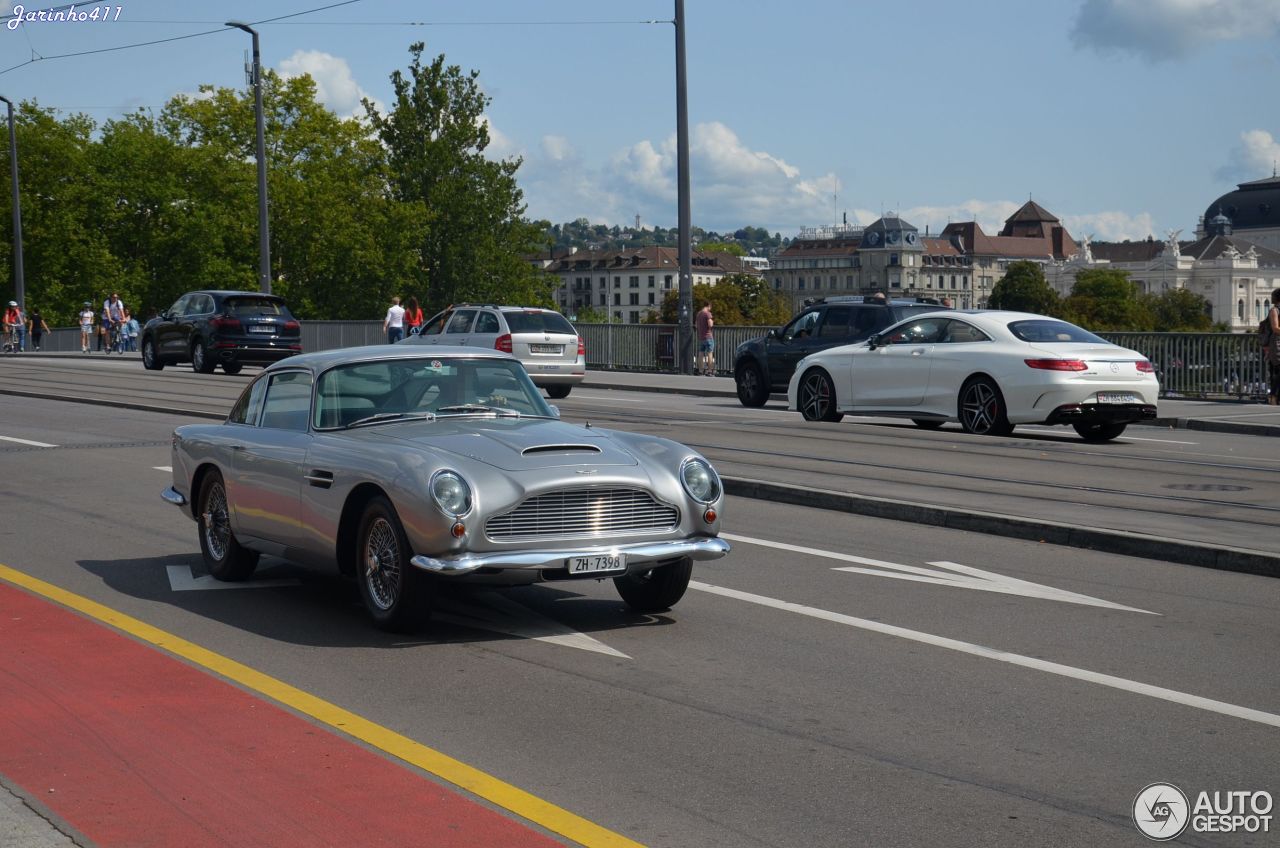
<point>217,526</point>
<point>382,570</point>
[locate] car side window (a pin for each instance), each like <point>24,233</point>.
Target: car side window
<point>435,326</point>
<point>958,332</point>
<point>486,322</point>
<point>835,324</point>
<point>179,307</point>
<point>866,320</point>
<point>247,407</point>
<point>288,401</point>
<point>461,321</point>
<point>927,331</point>
<point>199,304</point>
<point>803,326</point>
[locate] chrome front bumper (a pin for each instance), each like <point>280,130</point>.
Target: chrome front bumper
<point>637,556</point>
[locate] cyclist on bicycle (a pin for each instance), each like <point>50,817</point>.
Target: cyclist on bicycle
<point>15,327</point>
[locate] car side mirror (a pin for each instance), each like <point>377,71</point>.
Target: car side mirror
<point>772,334</point>
<point>555,410</point>
<point>873,341</point>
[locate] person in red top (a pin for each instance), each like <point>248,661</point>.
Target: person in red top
<point>413,318</point>
<point>706,362</point>
<point>15,324</point>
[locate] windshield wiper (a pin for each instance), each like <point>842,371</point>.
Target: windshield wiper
<point>391,416</point>
<point>481,409</point>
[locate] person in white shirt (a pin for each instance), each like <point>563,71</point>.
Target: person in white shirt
<point>393,324</point>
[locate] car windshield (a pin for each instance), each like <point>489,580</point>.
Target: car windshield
<point>1049,330</point>
<point>249,306</point>
<point>414,388</point>
<point>538,322</point>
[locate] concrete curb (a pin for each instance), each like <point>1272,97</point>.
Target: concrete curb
<point>1109,541</point>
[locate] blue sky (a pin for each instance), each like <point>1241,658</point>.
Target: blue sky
<point>1126,118</point>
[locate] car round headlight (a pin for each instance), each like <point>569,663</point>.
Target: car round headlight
<point>451,493</point>
<point>699,480</point>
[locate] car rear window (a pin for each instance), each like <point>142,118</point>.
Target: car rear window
<point>1047,330</point>
<point>538,322</point>
<point>253,306</point>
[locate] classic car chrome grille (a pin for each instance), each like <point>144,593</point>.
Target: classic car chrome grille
<point>583,512</point>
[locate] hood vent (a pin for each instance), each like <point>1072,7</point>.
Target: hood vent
<point>560,449</point>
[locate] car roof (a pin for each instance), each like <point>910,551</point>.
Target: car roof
<point>322,360</point>
<point>234,293</point>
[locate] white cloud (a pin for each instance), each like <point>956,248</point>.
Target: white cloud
<point>990,214</point>
<point>1162,30</point>
<point>1254,158</point>
<point>1110,226</point>
<point>335,86</point>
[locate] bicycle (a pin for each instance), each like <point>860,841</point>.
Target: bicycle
<point>12,344</point>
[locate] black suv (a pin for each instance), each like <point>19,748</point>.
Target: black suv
<point>227,328</point>
<point>765,365</point>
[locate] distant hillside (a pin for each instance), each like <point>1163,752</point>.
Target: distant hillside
<point>755,241</point>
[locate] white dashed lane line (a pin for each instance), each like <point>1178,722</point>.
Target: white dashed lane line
<point>27,442</point>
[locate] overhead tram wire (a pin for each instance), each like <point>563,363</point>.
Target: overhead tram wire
<point>221,28</point>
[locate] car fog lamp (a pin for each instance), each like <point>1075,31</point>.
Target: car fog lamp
<point>459,530</point>
<point>709,516</point>
<point>699,480</point>
<point>451,493</point>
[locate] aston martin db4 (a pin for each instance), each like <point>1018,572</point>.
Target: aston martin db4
<point>403,466</point>
<point>988,370</point>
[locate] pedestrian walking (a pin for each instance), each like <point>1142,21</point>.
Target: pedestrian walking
<point>1273,348</point>
<point>704,323</point>
<point>393,324</point>
<point>413,317</point>
<point>36,328</point>
<point>131,332</point>
<point>86,326</point>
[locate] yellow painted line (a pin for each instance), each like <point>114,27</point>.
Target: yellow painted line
<point>504,795</point>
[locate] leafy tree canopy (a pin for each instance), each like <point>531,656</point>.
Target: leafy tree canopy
<point>1024,289</point>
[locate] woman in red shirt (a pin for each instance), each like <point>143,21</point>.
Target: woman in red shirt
<point>413,318</point>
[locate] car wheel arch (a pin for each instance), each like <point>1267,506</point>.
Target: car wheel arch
<point>349,524</point>
<point>197,480</point>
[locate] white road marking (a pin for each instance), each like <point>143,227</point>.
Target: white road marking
<point>168,468</point>
<point>503,615</point>
<point>183,579</point>
<point>603,393</point>
<point>944,573</point>
<point>1123,684</point>
<point>27,442</point>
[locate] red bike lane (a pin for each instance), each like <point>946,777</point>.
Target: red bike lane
<point>134,747</point>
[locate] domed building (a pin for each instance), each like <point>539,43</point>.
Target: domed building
<point>1252,212</point>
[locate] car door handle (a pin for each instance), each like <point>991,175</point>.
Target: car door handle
<point>918,352</point>
<point>236,447</point>
<point>319,478</point>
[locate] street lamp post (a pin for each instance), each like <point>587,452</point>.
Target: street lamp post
<point>684,331</point>
<point>19,284</point>
<point>264,234</point>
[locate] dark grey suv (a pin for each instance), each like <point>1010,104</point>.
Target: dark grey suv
<point>227,328</point>
<point>765,365</point>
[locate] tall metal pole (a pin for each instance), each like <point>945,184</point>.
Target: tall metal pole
<point>264,234</point>
<point>684,331</point>
<point>19,283</point>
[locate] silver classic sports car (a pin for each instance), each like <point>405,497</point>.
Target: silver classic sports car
<point>401,466</point>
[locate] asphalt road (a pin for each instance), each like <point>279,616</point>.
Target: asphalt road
<point>784,702</point>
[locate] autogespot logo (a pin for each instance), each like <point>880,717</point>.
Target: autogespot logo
<point>1160,811</point>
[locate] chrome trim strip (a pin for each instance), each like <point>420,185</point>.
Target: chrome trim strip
<point>173,496</point>
<point>637,554</point>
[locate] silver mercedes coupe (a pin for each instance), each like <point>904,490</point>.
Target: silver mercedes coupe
<point>402,466</point>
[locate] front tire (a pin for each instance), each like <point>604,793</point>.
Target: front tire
<point>201,362</point>
<point>231,367</point>
<point>927,423</point>
<point>817,397</point>
<point>656,589</point>
<point>982,409</point>
<point>150,359</point>
<point>224,557</point>
<point>1103,431</point>
<point>751,388</point>
<point>558,392</point>
<point>390,587</point>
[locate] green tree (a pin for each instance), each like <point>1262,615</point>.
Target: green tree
<point>1024,288</point>
<point>1179,311</point>
<point>1105,299</point>
<point>731,248</point>
<point>737,299</point>
<point>474,245</point>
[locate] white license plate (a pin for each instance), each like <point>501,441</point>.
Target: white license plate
<point>596,564</point>
<point>546,348</point>
<point>261,328</point>
<point>1118,397</point>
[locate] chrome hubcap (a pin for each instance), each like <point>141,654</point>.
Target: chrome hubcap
<point>382,564</point>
